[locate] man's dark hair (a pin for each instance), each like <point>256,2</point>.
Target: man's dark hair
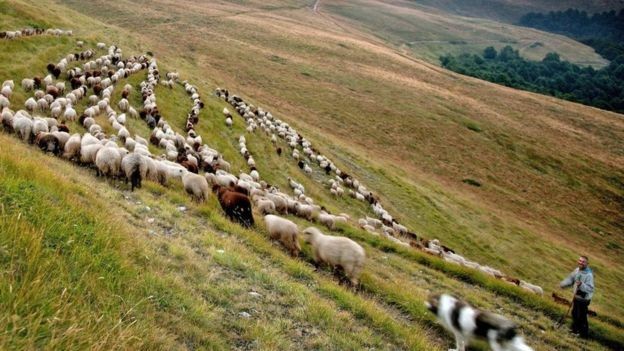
<point>585,257</point>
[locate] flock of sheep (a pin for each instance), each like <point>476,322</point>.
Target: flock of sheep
<point>184,157</point>
<point>27,32</point>
<point>305,154</point>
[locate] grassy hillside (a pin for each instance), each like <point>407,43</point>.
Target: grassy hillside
<point>428,33</point>
<point>402,126</point>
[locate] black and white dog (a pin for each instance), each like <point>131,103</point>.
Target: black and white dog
<point>466,322</point>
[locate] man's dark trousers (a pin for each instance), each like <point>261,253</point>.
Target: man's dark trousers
<point>579,317</point>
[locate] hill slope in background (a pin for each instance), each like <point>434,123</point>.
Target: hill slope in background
<point>550,171</point>
<point>429,33</point>
<point>510,11</point>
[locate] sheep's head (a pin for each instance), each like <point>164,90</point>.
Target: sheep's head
<point>433,303</point>
<point>308,233</point>
<point>179,172</point>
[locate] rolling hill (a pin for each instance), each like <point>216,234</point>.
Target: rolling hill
<point>549,175</point>
<point>511,11</point>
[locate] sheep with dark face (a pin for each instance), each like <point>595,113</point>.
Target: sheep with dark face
<point>134,167</point>
<point>48,142</point>
<point>235,205</point>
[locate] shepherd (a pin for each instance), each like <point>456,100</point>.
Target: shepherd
<point>582,278</point>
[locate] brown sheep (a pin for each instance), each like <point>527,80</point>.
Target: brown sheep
<point>235,205</point>
<point>52,90</point>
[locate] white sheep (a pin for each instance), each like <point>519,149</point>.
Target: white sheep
<point>9,83</point>
<point>70,114</point>
<point>531,287</point>
<point>224,180</point>
<point>72,147</point>
<point>285,231</point>
<point>22,125</point>
<point>123,104</point>
<point>374,222</point>
<point>6,91</point>
<point>108,160</point>
<point>281,204</point>
<point>134,167</point>
<point>30,104</point>
<point>196,186</point>
<point>337,252</point>
<point>265,206</point>
<point>304,211</point>
<point>28,84</point>
<point>88,152</point>
<point>255,175</point>
<point>4,102</point>
<point>326,219</point>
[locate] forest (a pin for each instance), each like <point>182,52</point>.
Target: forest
<point>602,88</point>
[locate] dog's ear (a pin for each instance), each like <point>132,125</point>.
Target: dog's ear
<point>432,303</point>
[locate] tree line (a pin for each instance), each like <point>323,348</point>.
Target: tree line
<point>602,88</point>
<point>602,31</point>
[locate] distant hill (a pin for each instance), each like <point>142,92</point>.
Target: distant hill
<point>510,11</point>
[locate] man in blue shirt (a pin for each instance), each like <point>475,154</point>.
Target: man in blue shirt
<point>583,280</point>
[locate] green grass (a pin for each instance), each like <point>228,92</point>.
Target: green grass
<point>179,280</point>
<point>69,277</point>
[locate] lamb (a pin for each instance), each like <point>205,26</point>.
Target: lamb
<point>236,205</point>
<point>196,186</point>
<point>134,167</point>
<point>337,252</point>
<point>108,160</point>
<point>285,231</point>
